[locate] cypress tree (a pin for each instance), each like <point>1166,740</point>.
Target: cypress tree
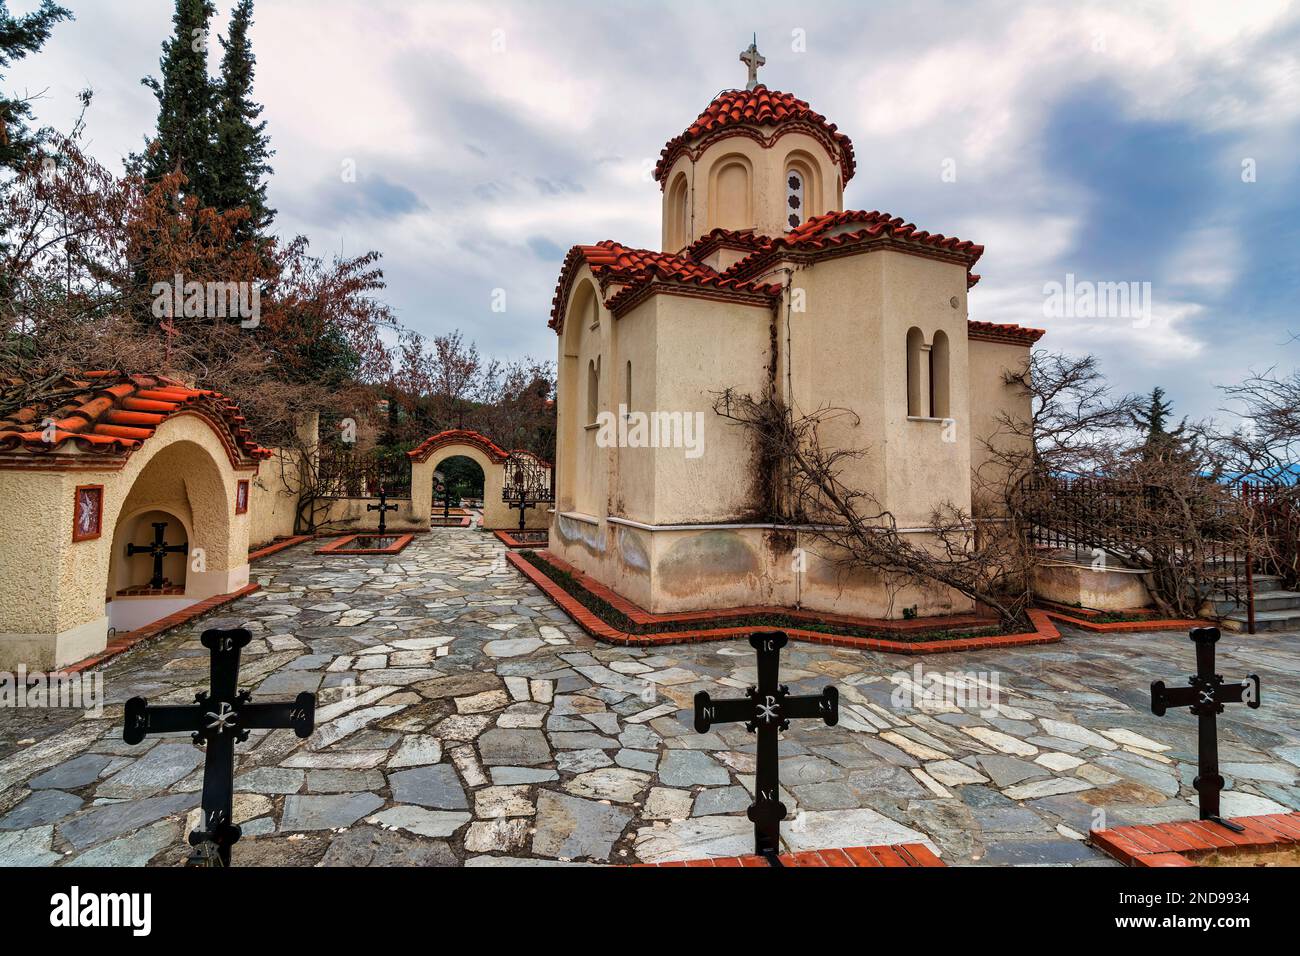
<point>185,97</point>
<point>20,36</point>
<point>240,166</point>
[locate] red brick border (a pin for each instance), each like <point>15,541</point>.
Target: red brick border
<point>899,854</point>
<point>335,547</point>
<point>276,546</point>
<point>1082,619</point>
<point>510,541</point>
<point>1044,631</point>
<point>125,642</point>
<point>1180,844</point>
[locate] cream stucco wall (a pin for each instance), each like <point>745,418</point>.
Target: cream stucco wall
<point>840,336</point>
<point>53,590</point>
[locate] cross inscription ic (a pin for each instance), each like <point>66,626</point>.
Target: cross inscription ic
<point>767,710</point>
<point>158,549</point>
<point>1205,695</point>
<point>218,719</point>
<point>383,507</point>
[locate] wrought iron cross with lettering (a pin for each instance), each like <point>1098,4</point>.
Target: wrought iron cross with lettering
<point>158,550</point>
<point>767,709</point>
<point>219,719</point>
<point>383,507</point>
<point>1206,694</point>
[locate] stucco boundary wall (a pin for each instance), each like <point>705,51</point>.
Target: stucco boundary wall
<point>714,567</point>
<point>1044,631</point>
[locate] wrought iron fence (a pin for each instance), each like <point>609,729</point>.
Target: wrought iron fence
<point>348,474</point>
<point>1088,515</point>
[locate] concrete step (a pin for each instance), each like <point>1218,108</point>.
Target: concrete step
<point>1266,601</point>
<point>1288,620</point>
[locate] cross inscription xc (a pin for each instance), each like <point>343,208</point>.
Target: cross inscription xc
<point>1205,695</point>
<point>767,709</point>
<point>158,550</point>
<point>383,507</point>
<point>219,719</point>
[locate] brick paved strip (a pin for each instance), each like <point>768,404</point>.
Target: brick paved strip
<point>1179,844</point>
<point>898,855</point>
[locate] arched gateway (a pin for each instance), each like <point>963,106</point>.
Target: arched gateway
<point>125,500</point>
<point>493,459</point>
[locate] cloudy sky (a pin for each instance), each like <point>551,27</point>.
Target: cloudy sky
<point>1156,145</point>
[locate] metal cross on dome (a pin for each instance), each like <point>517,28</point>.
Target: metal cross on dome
<point>767,709</point>
<point>158,550</point>
<point>753,59</point>
<point>217,720</point>
<point>1206,694</point>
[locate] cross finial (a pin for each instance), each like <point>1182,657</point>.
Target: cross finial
<point>753,59</point>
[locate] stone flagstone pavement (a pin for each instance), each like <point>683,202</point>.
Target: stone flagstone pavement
<point>462,719</point>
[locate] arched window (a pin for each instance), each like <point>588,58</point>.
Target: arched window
<point>803,194</point>
<point>627,388</point>
<point>794,198</point>
<point>939,376</point>
<point>916,404</point>
<point>593,391</point>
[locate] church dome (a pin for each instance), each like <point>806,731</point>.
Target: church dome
<point>744,112</point>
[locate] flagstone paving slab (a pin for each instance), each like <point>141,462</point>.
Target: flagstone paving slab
<point>463,719</point>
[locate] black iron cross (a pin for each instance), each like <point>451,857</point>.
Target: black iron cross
<point>1206,694</point>
<point>159,549</point>
<point>767,709</point>
<point>219,720</point>
<point>382,508</point>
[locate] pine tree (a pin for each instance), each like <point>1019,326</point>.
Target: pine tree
<point>1159,439</point>
<point>185,97</point>
<point>20,36</point>
<point>240,165</point>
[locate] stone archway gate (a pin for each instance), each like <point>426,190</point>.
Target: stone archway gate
<point>489,456</point>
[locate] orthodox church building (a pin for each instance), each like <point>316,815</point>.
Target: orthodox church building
<point>764,282</point>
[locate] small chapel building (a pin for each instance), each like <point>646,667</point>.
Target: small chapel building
<point>763,282</point>
<point>124,499</point>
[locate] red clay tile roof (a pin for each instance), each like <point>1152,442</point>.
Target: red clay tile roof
<point>613,262</point>
<point>832,230</point>
<point>734,110</point>
<point>1006,334</point>
<point>111,414</point>
<point>458,436</point>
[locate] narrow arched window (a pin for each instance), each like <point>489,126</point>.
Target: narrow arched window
<point>916,397</point>
<point>794,199</point>
<point>593,391</point>
<point>939,406</point>
<point>627,388</point>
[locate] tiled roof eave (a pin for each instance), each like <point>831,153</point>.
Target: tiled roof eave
<point>1003,334</point>
<point>783,251</point>
<point>746,293</point>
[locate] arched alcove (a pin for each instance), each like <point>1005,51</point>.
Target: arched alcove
<point>916,394</point>
<point>677,214</point>
<point>182,490</point>
<point>939,387</point>
<point>731,193</point>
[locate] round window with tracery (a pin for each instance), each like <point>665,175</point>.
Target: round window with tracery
<point>794,199</point>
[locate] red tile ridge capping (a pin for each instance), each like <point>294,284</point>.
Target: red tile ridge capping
<point>736,109</point>
<point>116,418</point>
<point>458,436</point>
